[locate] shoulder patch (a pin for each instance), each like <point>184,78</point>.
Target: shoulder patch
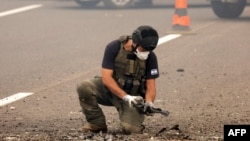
<point>154,71</point>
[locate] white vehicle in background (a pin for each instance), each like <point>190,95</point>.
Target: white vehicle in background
<point>221,8</point>
<point>114,3</point>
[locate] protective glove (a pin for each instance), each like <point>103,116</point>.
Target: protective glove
<point>132,99</point>
<point>148,106</point>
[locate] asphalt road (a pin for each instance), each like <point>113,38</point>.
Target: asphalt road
<point>49,49</point>
<point>37,44</point>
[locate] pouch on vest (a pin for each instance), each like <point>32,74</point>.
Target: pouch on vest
<point>128,69</point>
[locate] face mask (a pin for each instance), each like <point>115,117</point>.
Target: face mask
<point>141,55</point>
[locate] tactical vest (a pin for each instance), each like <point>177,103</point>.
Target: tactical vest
<point>129,71</point>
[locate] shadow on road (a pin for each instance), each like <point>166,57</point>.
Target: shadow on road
<point>102,7</point>
<point>240,19</point>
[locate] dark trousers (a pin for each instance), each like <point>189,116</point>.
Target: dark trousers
<point>92,92</point>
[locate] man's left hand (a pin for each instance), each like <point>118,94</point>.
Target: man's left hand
<point>148,106</point>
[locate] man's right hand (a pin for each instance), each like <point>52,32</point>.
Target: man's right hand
<point>132,99</point>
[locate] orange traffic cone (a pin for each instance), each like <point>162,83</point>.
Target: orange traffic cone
<point>181,21</point>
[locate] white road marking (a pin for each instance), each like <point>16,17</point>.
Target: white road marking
<point>20,95</point>
<point>168,38</point>
<point>13,98</point>
<point>18,10</point>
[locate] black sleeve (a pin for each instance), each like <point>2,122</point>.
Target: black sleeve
<point>152,70</point>
<point>110,54</point>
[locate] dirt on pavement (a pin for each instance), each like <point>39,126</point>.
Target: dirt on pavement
<point>199,106</point>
